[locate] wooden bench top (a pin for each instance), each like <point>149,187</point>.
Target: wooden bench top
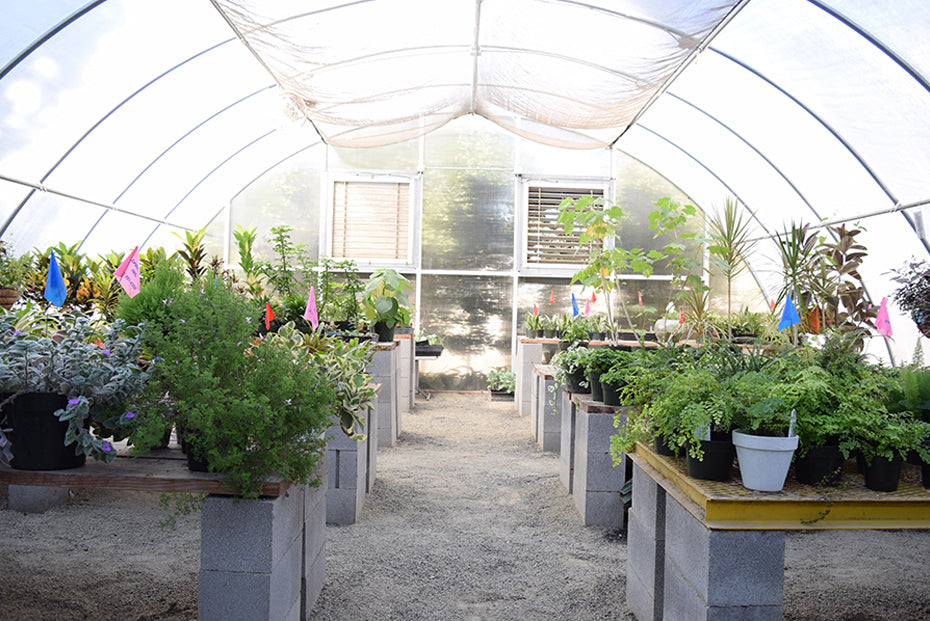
<point>585,403</point>
<point>162,470</point>
<point>730,506</point>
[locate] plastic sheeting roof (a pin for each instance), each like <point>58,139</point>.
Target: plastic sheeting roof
<point>129,118</point>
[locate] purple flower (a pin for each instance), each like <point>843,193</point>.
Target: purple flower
<point>105,447</point>
<point>157,359</point>
<point>73,401</point>
<point>17,332</point>
<point>130,415</point>
<point>105,352</point>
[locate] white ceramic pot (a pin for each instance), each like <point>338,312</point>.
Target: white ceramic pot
<point>764,460</point>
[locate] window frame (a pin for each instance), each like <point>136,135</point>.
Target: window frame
<point>527,268</point>
<point>411,178</point>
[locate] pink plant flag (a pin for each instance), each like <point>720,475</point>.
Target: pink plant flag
<point>587,308</point>
<point>310,311</point>
<point>127,274</point>
<point>882,322</point>
<point>535,309</point>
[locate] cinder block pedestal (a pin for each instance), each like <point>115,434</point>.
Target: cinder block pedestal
<point>406,372</point>
<point>545,421</point>
<point>350,473</point>
<point>529,353</point>
<point>383,370</point>
<point>36,499</point>
<point>566,440</point>
<point>597,483</point>
<point>677,568</point>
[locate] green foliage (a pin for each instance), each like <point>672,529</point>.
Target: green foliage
<point>154,304</point>
<point>385,298</point>
<point>913,296</point>
<point>575,330</point>
<point>533,322</point>
<point>96,366</point>
<point>13,269</point>
<point>503,380</point>
<point>338,287</point>
<point>730,246</point>
<point>250,408</point>
<point>193,253</point>
<point>245,242</point>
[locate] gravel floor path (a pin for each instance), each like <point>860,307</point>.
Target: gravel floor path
<point>467,520</point>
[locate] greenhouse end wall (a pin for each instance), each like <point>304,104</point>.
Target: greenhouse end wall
<point>472,286</point>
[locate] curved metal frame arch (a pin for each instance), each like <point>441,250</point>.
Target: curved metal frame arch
<point>715,176</point>
<point>207,176</point>
<point>751,146</point>
<point>839,138</point>
<point>97,124</point>
<point>173,145</point>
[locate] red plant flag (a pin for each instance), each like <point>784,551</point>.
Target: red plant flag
<point>882,322</point>
<point>128,275</point>
<point>535,309</point>
<point>772,304</point>
<point>593,298</point>
<point>681,316</point>
<point>640,295</point>
<point>269,315</point>
<point>552,296</point>
<point>310,311</point>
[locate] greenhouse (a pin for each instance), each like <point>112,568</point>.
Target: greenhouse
<point>660,172</point>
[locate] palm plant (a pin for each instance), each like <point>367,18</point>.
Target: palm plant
<point>730,246</point>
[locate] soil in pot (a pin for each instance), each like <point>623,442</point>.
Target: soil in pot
<point>820,465</point>
<point>38,437</point>
<point>717,464</point>
<point>594,381</point>
<point>882,474</point>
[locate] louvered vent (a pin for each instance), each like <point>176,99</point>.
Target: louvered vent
<point>546,242</point>
<point>371,220</point>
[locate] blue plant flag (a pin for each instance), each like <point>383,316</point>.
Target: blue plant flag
<point>574,306</point>
<point>789,316</point>
<point>55,290</point>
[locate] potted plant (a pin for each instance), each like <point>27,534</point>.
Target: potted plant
<point>549,326</point>
<point>534,326</point>
<point>385,303</point>
<point>613,378</point>
<point>246,408</point>
<point>913,296</point>
<point>70,388</point>
<point>574,331</point>
<point>502,383</point>
<point>338,287</point>
<point>429,345</point>
<point>12,272</point>
<point>598,362</point>
<point>570,369</point>
<point>765,439</point>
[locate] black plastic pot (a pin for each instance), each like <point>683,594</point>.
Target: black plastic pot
<point>882,474</point>
<point>717,464</point>
<point>38,437</point>
<point>196,462</point>
<point>594,381</point>
<point>501,395</point>
<point>574,382</point>
<point>820,465</point>
<point>385,334</point>
<point>663,447</point>
<point>925,475</point>
<point>610,394</point>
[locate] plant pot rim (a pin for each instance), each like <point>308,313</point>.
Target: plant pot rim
<point>744,439</point>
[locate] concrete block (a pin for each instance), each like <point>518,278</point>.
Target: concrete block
<point>596,429</point>
<point>551,441</point>
<point>549,423</point>
<point>567,443</point>
<point>235,595</point>
<point>722,568</point>
<point>249,535</point>
<point>382,370</point>
<point>535,406</point>
<point>639,598</point>
<point>314,578</point>
<point>648,502</point>
<point>343,506</point>
<point>371,443</point>
<point>36,498</point>
<point>600,473</point>
<point>599,508</point>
